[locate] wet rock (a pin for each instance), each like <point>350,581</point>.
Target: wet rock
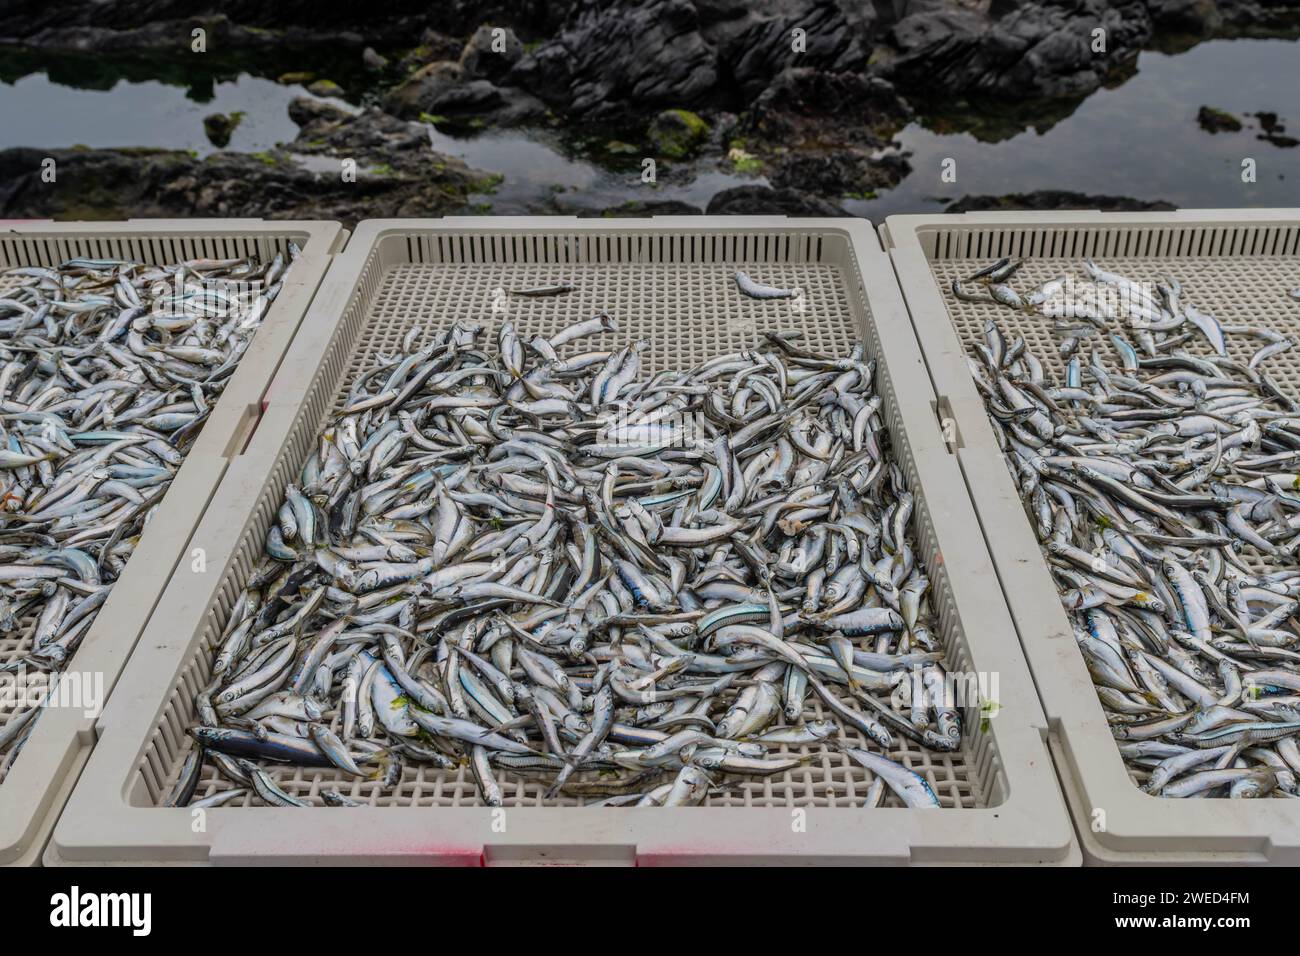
<point>491,52</point>
<point>677,133</point>
<point>313,116</point>
<point>479,103</point>
<point>219,126</point>
<point>386,26</point>
<point>373,60</point>
<point>416,94</point>
<point>101,33</point>
<point>1034,50</point>
<point>803,106</point>
<point>1217,121</point>
<point>825,132</point>
<point>644,52</point>
<point>458,97</point>
<point>434,46</point>
<point>1274,131</point>
<point>229,185</point>
<point>722,129</point>
<point>848,173</point>
<point>399,175</point>
<point>1261,18</point>
<point>1049,199</point>
<point>1197,17</point>
<point>392,157</point>
<point>371,135</point>
<point>92,183</point>
<point>766,201</point>
<point>636,208</point>
<point>325,88</point>
<point>833,36</point>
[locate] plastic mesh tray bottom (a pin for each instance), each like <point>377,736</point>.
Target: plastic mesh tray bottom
<point>670,307</point>
<point>674,309</point>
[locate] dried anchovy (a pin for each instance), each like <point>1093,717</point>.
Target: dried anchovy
<point>108,370</point>
<point>1164,495</point>
<point>518,562</point>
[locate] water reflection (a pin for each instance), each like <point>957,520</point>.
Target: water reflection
<point>1139,139</point>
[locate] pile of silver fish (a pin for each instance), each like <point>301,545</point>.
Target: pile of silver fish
<point>1163,490</point>
<point>554,573</point>
<point>108,370</point>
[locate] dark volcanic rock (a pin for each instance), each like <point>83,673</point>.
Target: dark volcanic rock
<point>415,94</point>
<point>823,132</point>
<point>315,118</point>
<point>846,172</point>
<point>325,88</point>
<point>1274,131</point>
<point>677,133</point>
<point>1217,121</point>
<point>434,46</point>
<point>1259,18</point>
<point>391,24</point>
<point>372,135</point>
<point>614,55</point>
<point>609,55</point>
<point>175,37</point>
<point>765,201</point>
<point>219,126</point>
<point>836,36</point>
<point>1186,16</point>
<point>1048,199</point>
<point>397,175</point>
<point>804,106</point>
<point>90,183</point>
<point>1035,50</point>
<point>480,57</point>
<point>479,103</point>
<point>458,93</point>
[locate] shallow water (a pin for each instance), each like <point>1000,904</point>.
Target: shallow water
<point>1139,139</point>
<point>541,167</point>
<point>39,112</point>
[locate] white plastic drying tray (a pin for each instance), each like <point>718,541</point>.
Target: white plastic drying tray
<point>1236,264</point>
<point>668,281</point>
<point>35,783</point>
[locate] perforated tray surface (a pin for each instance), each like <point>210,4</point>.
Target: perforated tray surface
<point>686,314</point>
<point>1236,267</point>
<point>673,286</point>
